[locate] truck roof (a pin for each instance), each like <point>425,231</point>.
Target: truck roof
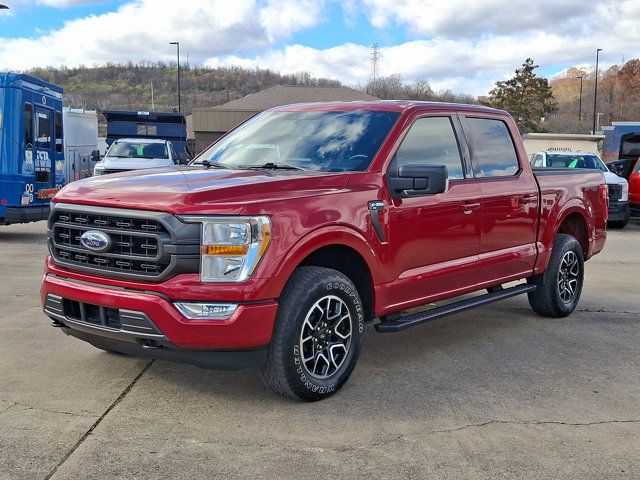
<point>23,80</point>
<point>141,140</point>
<point>388,105</point>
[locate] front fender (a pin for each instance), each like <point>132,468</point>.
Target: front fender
<point>323,237</point>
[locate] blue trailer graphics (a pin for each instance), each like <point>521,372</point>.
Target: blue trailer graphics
<point>165,125</point>
<point>31,149</point>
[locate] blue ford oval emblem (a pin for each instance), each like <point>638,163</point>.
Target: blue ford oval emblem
<point>95,241</point>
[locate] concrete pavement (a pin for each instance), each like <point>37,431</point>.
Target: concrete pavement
<point>495,392</point>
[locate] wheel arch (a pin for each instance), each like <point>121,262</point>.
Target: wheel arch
<point>345,251</point>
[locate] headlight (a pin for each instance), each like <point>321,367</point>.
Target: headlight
<point>231,247</point>
<point>624,196</point>
<point>99,170</point>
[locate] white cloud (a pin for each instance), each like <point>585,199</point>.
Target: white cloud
<point>141,30</point>
<point>464,45</point>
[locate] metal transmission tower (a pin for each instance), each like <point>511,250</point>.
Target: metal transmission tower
<point>375,56</point>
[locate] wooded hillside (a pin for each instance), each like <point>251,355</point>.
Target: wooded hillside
<point>128,86</point>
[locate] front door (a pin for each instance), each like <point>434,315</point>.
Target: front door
<point>434,239</point>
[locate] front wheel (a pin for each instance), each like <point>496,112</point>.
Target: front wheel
<point>317,336</point>
<point>559,287</point>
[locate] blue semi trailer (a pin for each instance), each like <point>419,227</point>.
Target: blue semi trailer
<point>31,147</point>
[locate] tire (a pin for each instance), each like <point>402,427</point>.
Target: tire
<point>619,224</point>
<point>560,286</point>
<point>318,307</point>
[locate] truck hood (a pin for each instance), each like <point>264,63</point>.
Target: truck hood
<point>116,163</point>
<point>613,179</point>
<point>196,190</point>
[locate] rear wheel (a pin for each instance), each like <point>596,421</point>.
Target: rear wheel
<point>559,287</point>
<point>317,336</point>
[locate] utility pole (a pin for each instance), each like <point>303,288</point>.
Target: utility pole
<point>153,104</point>
<point>580,103</point>
<point>595,92</point>
<point>177,44</point>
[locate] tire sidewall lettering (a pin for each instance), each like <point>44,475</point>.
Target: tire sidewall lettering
<point>308,382</point>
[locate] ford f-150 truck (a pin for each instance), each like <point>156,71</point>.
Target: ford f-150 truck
<point>291,232</point>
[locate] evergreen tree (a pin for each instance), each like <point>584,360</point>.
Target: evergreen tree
<point>526,97</point>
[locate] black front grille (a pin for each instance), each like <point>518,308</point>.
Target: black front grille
<point>615,193</point>
<point>66,309</point>
<point>89,313</point>
<point>143,245</point>
<point>108,171</point>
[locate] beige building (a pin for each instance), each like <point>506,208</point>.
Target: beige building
<point>564,142</point>
<point>209,124</point>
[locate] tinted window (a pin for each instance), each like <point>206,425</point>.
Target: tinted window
<point>324,141</point>
<point>575,161</point>
<point>28,124</point>
<point>58,127</point>
<point>431,141</point>
<point>138,150</point>
<point>493,152</point>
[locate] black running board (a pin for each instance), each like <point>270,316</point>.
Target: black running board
<point>402,323</point>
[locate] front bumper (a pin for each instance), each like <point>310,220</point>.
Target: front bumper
<point>618,211</point>
<point>148,324</point>
<point>25,214</point>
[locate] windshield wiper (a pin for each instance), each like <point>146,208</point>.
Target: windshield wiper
<point>210,164</point>
<point>273,166</point>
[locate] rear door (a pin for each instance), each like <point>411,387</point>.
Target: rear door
<point>509,201</point>
<point>434,239</point>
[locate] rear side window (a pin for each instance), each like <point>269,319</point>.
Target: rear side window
<point>28,124</point>
<point>431,141</point>
<point>58,130</point>
<point>538,161</point>
<point>493,152</point>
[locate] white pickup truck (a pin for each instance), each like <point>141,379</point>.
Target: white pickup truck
<point>618,186</point>
<point>127,154</point>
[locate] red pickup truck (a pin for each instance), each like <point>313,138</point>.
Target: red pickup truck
<point>307,221</point>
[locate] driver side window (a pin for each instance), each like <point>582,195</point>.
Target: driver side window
<point>431,141</point>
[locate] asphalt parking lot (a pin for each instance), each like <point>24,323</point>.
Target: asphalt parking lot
<point>494,393</point>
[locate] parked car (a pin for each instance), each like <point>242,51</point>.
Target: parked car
<point>360,211</point>
<point>618,186</point>
<point>634,188</point>
<point>136,154</point>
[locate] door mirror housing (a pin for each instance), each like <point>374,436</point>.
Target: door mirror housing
<point>415,180</point>
<point>95,156</point>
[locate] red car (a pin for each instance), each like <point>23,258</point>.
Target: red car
<point>634,188</point>
<point>306,222</point>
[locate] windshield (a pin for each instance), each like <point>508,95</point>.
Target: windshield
<point>322,141</point>
<point>576,161</point>
<point>138,150</point>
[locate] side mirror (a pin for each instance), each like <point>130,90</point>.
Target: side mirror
<point>414,180</point>
<point>95,156</point>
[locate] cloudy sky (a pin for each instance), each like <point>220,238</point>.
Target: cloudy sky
<point>463,45</point>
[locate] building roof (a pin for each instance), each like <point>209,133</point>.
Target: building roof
<point>287,94</point>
